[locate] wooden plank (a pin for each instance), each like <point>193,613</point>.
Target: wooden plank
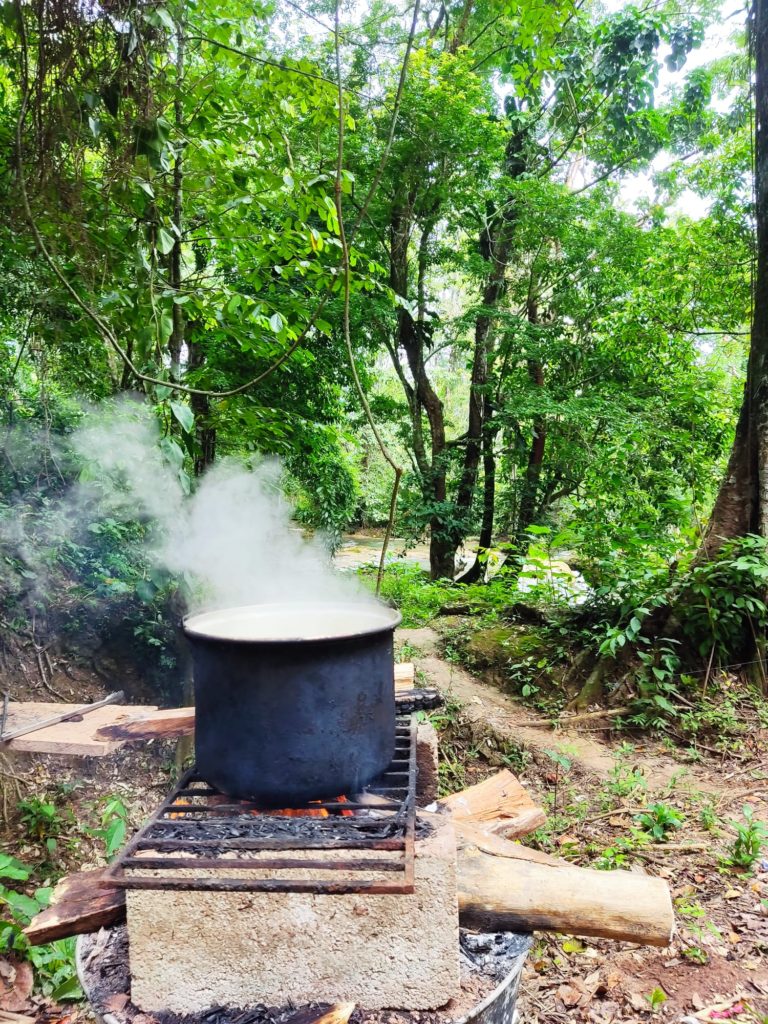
<point>506,893</point>
<point>70,738</point>
<point>154,724</point>
<point>405,674</point>
<point>80,903</point>
<point>499,804</point>
<point>66,713</point>
<point>149,724</point>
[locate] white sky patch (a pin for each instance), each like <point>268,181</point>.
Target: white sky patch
<point>718,42</point>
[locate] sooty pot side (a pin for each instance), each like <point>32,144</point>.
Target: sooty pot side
<point>281,722</point>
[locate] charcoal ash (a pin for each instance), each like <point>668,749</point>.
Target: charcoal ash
<point>492,953</point>
<point>263,826</point>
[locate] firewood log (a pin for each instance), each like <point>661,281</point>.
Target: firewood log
<point>510,893</point>
<point>469,835</point>
<point>339,1013</point>
<point>498,804</point>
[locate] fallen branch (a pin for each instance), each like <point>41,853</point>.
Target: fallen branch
<point>585,716</point>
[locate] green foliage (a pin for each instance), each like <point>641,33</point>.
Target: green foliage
<point>751,837</point>
<point>113,825</point>
<point>656,999</point>
<point>408,587</point>
<point>54,964</point>
<point>624,780</point>
<point>659,819</point>
<point>724,599</point>
<point>696,922</point>
<point>41,819</point>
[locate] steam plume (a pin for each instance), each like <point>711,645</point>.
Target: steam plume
<point>233,536</point>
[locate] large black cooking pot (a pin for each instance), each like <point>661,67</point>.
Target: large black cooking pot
<point>294,702</point>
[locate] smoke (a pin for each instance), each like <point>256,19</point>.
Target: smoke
<point>233,537</point>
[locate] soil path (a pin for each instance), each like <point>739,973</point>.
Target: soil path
<point>489,708</point>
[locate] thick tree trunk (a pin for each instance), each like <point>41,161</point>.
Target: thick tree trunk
<point>442,553</point>
<point>741,506</point>
<point>733,514</point>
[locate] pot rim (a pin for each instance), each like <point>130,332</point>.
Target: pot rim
<point>388,619</point>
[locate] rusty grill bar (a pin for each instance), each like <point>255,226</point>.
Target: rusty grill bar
<point>213,833</point>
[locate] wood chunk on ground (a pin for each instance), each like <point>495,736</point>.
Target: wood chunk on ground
<point>79,904</point>
<point>499,804</point>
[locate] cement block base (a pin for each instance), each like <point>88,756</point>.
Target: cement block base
<point>426,764</point>
<point>193,950</point>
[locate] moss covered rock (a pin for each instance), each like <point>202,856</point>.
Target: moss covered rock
<point>497,646</point>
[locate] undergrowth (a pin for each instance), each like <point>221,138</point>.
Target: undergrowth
<point>52,836</point>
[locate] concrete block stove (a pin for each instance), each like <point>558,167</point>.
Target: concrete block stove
<point>351,899</point>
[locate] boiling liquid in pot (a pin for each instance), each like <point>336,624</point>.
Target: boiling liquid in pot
<point>273,622</point>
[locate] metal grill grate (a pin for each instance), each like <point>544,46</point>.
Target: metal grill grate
<point>198,829</point>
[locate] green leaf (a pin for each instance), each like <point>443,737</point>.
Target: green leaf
<point>184,415</point>
<point>69,989</point>
<point>24,907</point>
<point>165,241</point>
<point>172,452</point>
<point>276,323</point>
<point>12,868</point>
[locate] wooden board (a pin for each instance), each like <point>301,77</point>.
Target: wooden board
<point>499,804</point>
<point>101,733</point>
<point>148,724</point>
<point>72,738</point>
<point>79,904</point>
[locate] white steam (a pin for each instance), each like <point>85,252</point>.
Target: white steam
<point>233,536</point>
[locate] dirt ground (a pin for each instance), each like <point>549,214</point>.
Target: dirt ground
<point>593,785</point>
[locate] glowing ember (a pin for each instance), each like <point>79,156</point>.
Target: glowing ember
<point>310,812</point>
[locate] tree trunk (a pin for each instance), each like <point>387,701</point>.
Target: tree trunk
<point>176,340</point>
<point>442,553</point>
<point>205,432</point>
<point>741,506</point>
<point>495,245</point>
<point>476,571</point>
<point>411,335</point>
<point>529,492</point>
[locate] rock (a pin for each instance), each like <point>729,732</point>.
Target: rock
<point>496,647</point>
